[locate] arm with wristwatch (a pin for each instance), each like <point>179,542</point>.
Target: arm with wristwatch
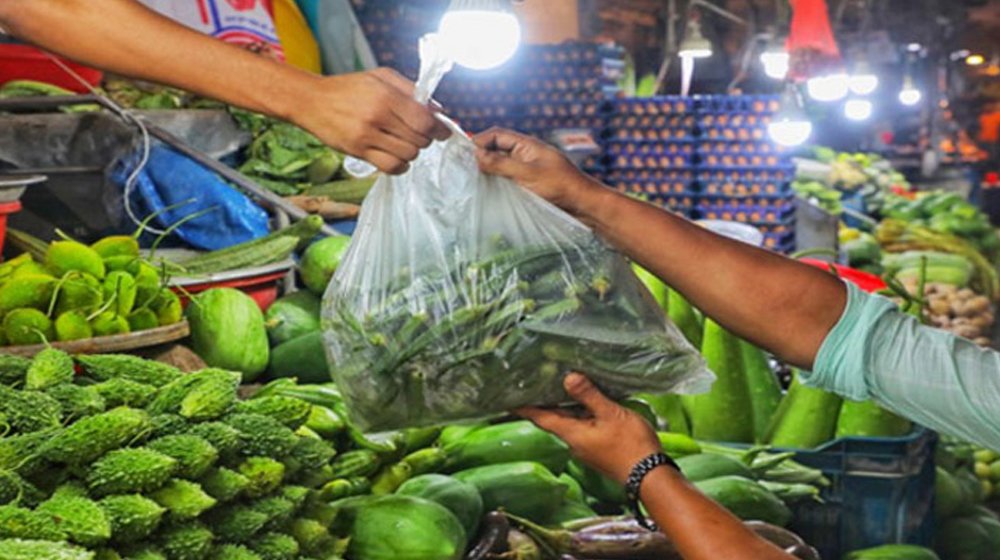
<point>845,341</point>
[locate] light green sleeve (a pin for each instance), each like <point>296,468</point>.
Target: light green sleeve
<point>928,375</point>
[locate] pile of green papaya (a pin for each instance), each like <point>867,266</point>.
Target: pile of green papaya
<point>513,466</point>
<point>963,485</point>
<point>66,290</point>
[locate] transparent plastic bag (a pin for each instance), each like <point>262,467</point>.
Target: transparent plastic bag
<point>463,295</point>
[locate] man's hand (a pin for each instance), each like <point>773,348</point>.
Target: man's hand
<point>534,165</point>
<point>612,439</point>
<point>370,115</point>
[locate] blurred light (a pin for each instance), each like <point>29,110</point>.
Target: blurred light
<point>914,47</point>
<point>775,64</point>
<point>694,45</point>
<point>832,87</point>
<point>909,94</point>
<point>960,54</point>
<point>975,59</point>
<point>858,109</point>
<point>790,126</point>
<point>863,84</point>
<point>480,34</point>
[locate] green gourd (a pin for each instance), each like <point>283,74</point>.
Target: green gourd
<point>723,413</point>
<point>763,386</point>
<point>806,417</point>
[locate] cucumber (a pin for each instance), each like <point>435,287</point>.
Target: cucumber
<point>868,419</point>
<point>524,488</point>
<point>292,316</point>
<point>763,386</point>
<point>508,442</point>
<point>724,413</point>
<point>746,499</point>
<point>806,418</point>
<point>705,466</point>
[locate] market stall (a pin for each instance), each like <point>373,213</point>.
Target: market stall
<point>221,338</point>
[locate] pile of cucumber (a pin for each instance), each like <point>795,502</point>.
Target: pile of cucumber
<point>491,335</point>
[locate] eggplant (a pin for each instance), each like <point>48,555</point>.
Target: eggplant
<point>492,537</point>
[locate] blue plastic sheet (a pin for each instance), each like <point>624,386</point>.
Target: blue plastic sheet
<point>170,178</point>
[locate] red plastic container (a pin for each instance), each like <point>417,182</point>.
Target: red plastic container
<point>21,62</point>
<point>864,280</point>
<point>263,288</point>
<point>6,209</point>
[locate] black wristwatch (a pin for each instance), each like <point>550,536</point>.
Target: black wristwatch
<point>634,481</point>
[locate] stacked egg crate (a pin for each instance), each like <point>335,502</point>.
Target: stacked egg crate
<point>740,174</point>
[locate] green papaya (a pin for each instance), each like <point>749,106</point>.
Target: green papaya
<point>460,498</point>
<point>303,357</point>
<point>524,488</point>
<point>506,443</point>
<point>405,527</point>
<point>746,499</point>
<point>292,316</point>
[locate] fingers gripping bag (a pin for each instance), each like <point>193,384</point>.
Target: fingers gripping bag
<point>463,295</point>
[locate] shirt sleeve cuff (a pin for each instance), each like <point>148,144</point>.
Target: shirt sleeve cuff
<point>841,364</point>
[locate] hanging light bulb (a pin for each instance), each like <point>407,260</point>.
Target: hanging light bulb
<point>775,59</point>
<point>858,109</point>
<point>827,88</point>
<point>975,59</point>
<point>909,95</point>
<point>480,34</point>
<point>790,126</point>
<point>694,45</point>
<point>863,81</point>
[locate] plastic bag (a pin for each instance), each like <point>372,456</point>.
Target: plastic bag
<point>463,295</point>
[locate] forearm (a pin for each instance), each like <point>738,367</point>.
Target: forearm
<point>124,37</point>
<point>698,527</point>
<point>774,302</point>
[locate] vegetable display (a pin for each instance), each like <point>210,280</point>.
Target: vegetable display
<point>489,335</point>
<point>198,472</point>
<point>66,290</point>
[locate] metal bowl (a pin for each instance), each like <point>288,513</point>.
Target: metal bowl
<point>13,186</point>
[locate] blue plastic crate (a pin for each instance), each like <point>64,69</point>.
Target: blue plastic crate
<point>881,491</point>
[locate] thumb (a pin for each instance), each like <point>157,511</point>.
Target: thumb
<point>587,394</point>
<point>500,163</point>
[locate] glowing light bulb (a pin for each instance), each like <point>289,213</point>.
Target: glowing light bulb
<point>975,59</point>
<point>831,87</point>
<point>481,34</point>
<point>790,126</point>
<point>694,45</point>
<point>858,109</point>
<point>910,96</point>
<point>775,64</point>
